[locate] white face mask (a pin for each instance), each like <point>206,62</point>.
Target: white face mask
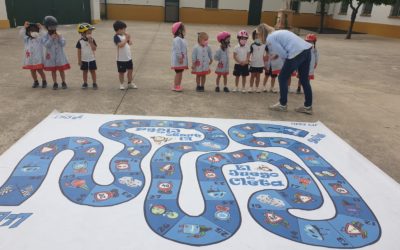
<point>34,34</point>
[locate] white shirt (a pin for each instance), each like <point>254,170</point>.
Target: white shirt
<point>241,52</point>
<point>87,54</point>
<point>257,55</point>
<point>124,54</point>
<point>286,44</point>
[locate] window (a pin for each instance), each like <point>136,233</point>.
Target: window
<point>319,8</point>
<point>295,5</point>
<point>395,9</point>
<point>344,7</point>
<point>212,4</point>
<point>367,9</point>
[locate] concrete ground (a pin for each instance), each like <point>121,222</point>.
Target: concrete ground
<point>356,91</point>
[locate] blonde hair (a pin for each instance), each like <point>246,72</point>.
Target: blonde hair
<point>202,36</point>
<point>264,30</point>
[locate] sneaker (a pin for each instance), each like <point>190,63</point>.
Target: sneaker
<point>198,88</point>
<point>44,84</point>
<point>201,88</point>
<point>35,84</point>
<point>132,86</point>
<point>177,88</point>
<point>298,91</point>
<point>278,107</point>
<point>84,85</point>
<point>95,87</point>
<point>252,90</point>
<point>235,89</point>
<point>244,90</point>
<point>264,89</point>
<point>217,89</point>
<point>258,90</point>
<point>55,86</point>
<point>305,110</point>
<point>121,87</point>
<point>64,85</point>
<point>226,90</point>
<point>272,90</point>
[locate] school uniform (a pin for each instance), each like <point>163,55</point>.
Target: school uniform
<point>222,58</point>
<point>201,57</point>
<point>33,52</point>
<point>87,54</point>
<point>257,52</point>
<point>124,55</point>
<point>313,62</point>
<point>241,54</point>
<point>179,51</point>
<point>55,58</point>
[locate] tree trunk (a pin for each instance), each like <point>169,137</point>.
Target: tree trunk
<point>321,23</point>
<point>353,19</point>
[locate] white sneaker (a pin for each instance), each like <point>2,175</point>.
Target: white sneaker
<point>244,90</point>
<point>121,87</point>
<point>258,90</point>
<point>278,107</point>
<point>305,110</point>
<point>252,90</point>
<point>132,86</point>
<point>272,90</point>
<point>264,89</point>
<point>235,89</point>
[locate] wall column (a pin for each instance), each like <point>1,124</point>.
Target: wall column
<point>4,23</point>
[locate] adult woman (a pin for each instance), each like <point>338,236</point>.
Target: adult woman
<point>297,55</point>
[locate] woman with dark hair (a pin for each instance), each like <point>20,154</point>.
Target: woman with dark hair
<point>297,55</point>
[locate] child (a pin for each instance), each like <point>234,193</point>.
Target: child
<point>124,57</point>
<point>55,59</point>
<point>222,56</point>
<point>179,59</point>
<point>86,47</point>
<point>257,64</point>
<point>311,38</point>
<point>33,59</point>
<point>241,55</point>
<point>272,69</point>
<point>201,60</point>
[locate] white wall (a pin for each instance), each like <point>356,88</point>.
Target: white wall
<point>306,7</point>
<point>192,3</point>
<point>138,2</point>
<point>95,9</point>
<point>379,14</point>
<point>271,5</point>
<point>3,10</point>
<point>234,4</point>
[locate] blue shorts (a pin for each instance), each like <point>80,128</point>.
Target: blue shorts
<point>124,66</point>
<point>241,70</point>
<point>88,66</point>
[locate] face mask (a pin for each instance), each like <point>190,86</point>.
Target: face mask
<point>34,34</point>
<point>242,42</point>
<point>257,41</point>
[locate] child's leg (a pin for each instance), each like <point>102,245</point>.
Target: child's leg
<point>218,79</point>
<point>257,75</point>
<point>121,77</point>
<point>244,81</point>
<point>42,74</point>
<point>265,80</point>
<point>34,75</point>
<point>62,74</point>
<point>94,76</point>
<point>198,80</point>
<point>252,79</point>
<point>130,75</point>
<point>54,76</point>
<point>237,81</point>
<point>85,76</point>
<point>225,80</point>
<point>203,80</point>
<point>178,79</point>
<point>273,82</point>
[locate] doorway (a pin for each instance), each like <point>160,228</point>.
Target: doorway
<point>255,9</point>
<point>171,10</point>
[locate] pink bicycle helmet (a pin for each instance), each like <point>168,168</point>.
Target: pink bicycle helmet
<point>243,33</point>
<point>222,36</point>
<point>175,27</point>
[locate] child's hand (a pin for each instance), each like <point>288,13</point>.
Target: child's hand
<point>54,36</point>
<point>26,24</point>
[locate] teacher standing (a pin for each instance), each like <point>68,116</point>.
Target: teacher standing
<point>297,55</point>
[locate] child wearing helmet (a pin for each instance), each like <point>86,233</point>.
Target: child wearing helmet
<point>311,38</point>
<point>55,58</point>
<point>222,57</point>
<point>257,56</point>
<point>124,55</point>
<point>33,58</point>
<point>179,59</point>
<point>86,47</point>
<point>201,60</point>
<point>241,55</point>
<point>272,69</point>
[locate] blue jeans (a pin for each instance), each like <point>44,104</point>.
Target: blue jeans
<point>302,63</point>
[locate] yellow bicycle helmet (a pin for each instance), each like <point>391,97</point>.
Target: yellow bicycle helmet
<point>83,27</point>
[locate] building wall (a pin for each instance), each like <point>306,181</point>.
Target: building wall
<point>95,11</point>
<point>4,23</point>
<point>143,10</point>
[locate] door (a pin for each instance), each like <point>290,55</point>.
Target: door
<point>171,10</point>
<point>66,12</point>
<point>255,10</point>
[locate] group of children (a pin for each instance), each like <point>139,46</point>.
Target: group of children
<point>44,51</point>
<point>250,60</point>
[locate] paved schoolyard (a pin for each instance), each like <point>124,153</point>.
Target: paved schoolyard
<point>356,91</point>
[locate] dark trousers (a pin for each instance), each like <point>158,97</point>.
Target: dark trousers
<point>302,63</point>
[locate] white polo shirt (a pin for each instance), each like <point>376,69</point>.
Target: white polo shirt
<point>124,54</point>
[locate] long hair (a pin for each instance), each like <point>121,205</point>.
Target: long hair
<point>264,30</point>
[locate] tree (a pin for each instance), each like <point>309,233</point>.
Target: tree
<point>323,4</point>
<point>355,6</point>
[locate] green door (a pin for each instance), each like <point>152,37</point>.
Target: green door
<point>255,9</point>
<point>66,12</point>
